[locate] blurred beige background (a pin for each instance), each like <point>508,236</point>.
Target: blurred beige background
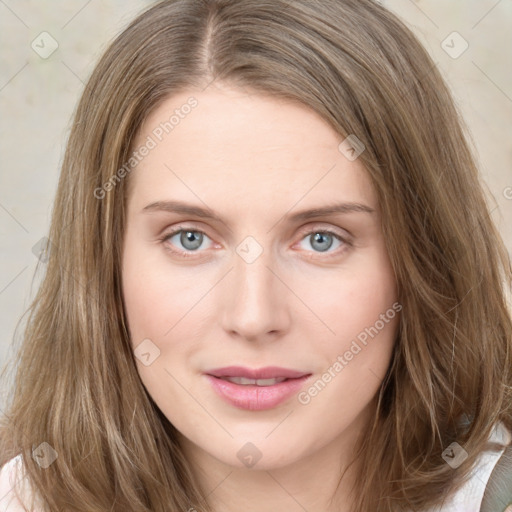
<point>51,46</point>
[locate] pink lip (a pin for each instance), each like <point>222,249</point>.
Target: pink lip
<point>269,372</point>
<point>252,397</point>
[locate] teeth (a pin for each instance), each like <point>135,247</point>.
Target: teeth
<point>257,382</point>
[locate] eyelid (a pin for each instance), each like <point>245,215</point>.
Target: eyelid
<point>326,228</point>
<point>307,229</point>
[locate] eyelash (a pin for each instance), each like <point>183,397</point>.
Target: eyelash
<point>192,254</point>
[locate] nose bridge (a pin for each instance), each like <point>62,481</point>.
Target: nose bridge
<point>255,303</point>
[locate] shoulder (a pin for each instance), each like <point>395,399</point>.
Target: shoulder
<point>14,486</point>
<point>469,498</point>
<point>498,493</point>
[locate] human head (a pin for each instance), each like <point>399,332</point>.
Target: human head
<point>364,75</point>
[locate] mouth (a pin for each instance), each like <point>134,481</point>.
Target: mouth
<point>256,390</point>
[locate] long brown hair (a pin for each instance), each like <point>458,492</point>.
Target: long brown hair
<point>360,68</point>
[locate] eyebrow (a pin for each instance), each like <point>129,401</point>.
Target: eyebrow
<point>197,211</point>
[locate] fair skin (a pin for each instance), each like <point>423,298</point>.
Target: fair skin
<point>256,160</point>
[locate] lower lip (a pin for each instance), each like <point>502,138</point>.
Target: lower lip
<point>256,398</point>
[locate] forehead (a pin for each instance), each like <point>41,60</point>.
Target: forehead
<point>225,144</point>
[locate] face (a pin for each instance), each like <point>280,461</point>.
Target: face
<point>231,258</point>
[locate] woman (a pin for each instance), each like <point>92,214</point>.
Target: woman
<point>273,282</point>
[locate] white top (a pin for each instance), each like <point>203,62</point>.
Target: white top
<point>467,499</point>
<point>470,495</point>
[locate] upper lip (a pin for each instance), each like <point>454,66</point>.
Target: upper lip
<point>269,372</point>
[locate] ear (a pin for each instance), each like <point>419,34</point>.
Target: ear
<point>498,492</point>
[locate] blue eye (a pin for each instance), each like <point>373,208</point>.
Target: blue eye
<point>322,241</point>
<point>190,239</point>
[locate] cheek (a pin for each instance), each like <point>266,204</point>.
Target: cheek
<point>354,297</point>
<point>355,359</point>
<point>156,296</point>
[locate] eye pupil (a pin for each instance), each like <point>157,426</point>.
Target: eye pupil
<point>319,238</point>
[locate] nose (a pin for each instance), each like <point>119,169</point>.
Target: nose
<point>255,300</point>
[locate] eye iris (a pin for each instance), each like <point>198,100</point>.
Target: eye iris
<point>319,238</point>
<point>191,237</point>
